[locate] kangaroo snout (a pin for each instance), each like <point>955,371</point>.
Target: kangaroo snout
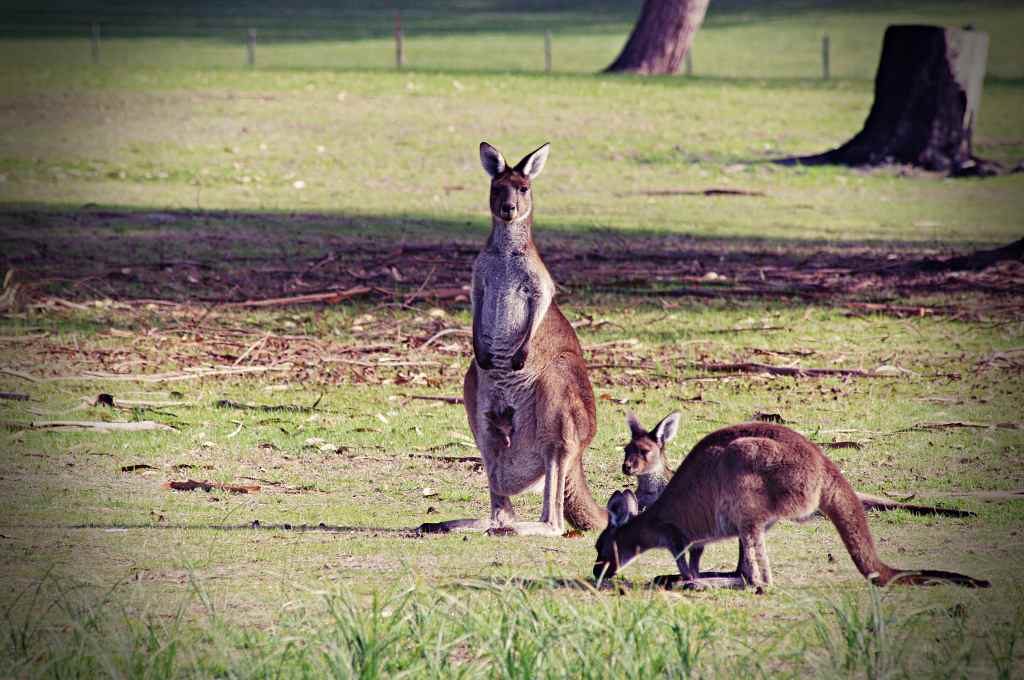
<point>508,210</point>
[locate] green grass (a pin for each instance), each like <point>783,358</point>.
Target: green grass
<point>169,171</point>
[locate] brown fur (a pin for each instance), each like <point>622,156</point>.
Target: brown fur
<point>737,482</point>
<point>531,410</point>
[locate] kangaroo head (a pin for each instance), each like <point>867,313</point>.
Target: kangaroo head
<point>502,424</point>
<point>511,198</point>
<point>645,452</point>
<point>611,557</point>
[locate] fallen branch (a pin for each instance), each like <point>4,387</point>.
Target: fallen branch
<point>191,374</point>
<point>99,426</point>
<point>795,371</point>
<point>23,338</point>
<point>471,460</point>
<point>964,424</point>
<point>443,332</point>
<point>427,397</point>
<point>843,445</point>
<point>331,297</point>
<point>192,485</point>
<point>14,396</point>
<point>746,329</point>
<point>267,408</point>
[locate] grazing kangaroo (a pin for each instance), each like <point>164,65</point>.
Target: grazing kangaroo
<point>737,482</point>
<point>645,457</point>
<point>529,401</point>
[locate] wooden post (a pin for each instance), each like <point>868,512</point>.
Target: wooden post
<point>250,48</point>
<point>689,61</point>
<point>399,39</point>
<point>547,51</point>
<point>95,43</point>
<point>824,57</point>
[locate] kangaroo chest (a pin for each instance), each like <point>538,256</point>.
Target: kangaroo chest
<point>511,285</point>
<point>649,487</point>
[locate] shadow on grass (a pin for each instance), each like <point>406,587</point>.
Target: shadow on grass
<point>115,527</point>
<point>226,257</point>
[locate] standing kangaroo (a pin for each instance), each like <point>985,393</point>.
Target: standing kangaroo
<point>737,482</point>
<point>529,401</point>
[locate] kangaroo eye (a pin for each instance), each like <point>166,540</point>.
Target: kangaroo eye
<point>523,190</point>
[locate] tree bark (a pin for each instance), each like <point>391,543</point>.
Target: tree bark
<point>661,37</point>
<point>927,95</point>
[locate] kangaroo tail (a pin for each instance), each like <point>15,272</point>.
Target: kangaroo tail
<point>581,510</point>
<point>841,504</point>
<point>884,504</point>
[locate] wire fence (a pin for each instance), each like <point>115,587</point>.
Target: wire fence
<point>530,41</point>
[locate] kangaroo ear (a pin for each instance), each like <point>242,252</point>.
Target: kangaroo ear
<point>666,430</point>
<point>622,507</point>
<point>635,428</point>
<point>492,160</point>
<point>533,162</point>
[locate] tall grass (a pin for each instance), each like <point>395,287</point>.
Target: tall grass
<point>472,630</point>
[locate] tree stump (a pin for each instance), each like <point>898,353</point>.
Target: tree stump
<point>927,96</point>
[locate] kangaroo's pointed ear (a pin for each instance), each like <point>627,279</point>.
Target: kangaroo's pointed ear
<point>635,428</point>
<point>492,160</point>
<point>666,430</point>
<point>622,507</point>
<point>533,162</point>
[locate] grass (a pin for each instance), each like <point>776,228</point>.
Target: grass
<point>170,172</point>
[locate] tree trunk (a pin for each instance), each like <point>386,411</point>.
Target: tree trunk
<point>927,94</point>
<point>661,37</point>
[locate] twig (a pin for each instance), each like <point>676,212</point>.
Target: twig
<point>752,367</point>
<point>443,332</point>
<point>310,298</point>
<point>471,460</point>
<point>265,408</point>
<point>23,338</point>
<point>99,426</point>
<point>18,374</point>
<point>428,397</point>
<point>191,374</point>
<point>14,396</point>
<point>745,329</point>
<point>964,424</point>
<point>250,349</point>
<point>192,485</point>
<point>382,364</point>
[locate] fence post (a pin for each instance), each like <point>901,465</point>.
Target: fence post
<point>250,48</point>
<point>688,59</point>
<point>95,43</point>
<point>399,40</point>
<point>824,57</point>
<point>547,51</point>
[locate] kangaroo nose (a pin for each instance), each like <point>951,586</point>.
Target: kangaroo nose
<point>508,208</point>
<point>627,469</point>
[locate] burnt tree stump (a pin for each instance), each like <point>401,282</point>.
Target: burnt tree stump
<point>927,96</point>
